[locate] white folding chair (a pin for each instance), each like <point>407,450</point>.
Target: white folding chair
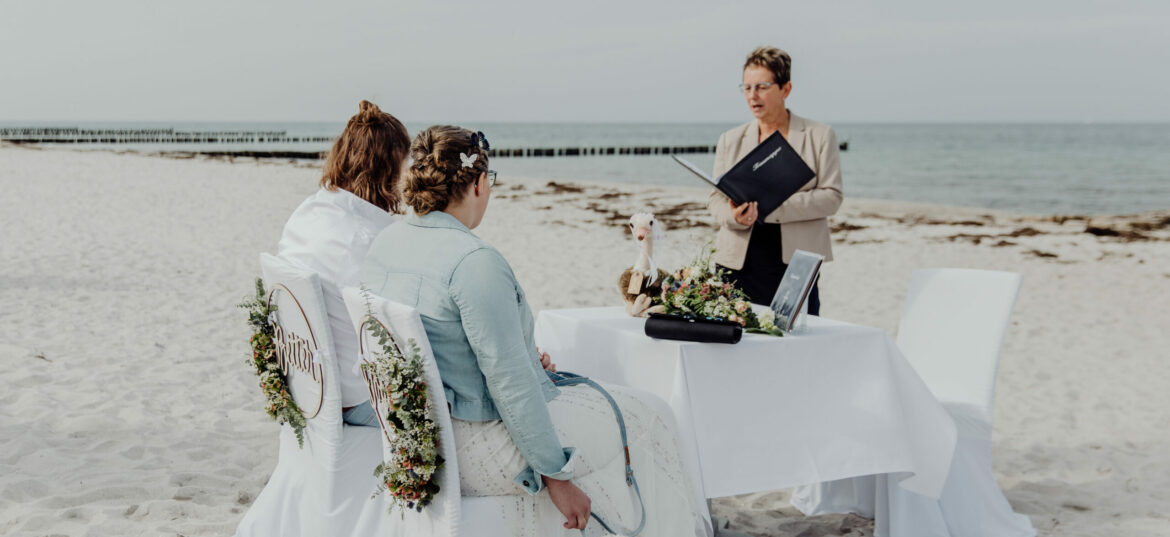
<point>323,488</point>
<point>450,514</point>
<point>951,331</point>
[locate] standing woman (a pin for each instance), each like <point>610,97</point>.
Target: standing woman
<point>755,249</point>
<point>330,232</point>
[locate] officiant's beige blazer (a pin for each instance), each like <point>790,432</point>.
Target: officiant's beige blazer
<point>803,218</point>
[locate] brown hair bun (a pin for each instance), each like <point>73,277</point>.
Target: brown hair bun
<point>437,177</point>
<point>368,157</point>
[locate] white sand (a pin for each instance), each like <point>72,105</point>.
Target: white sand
<point>127,406</point>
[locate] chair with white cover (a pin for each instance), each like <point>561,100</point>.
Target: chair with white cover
<point>450,514</point>
<point>951,332</point>
<point>323,488</point>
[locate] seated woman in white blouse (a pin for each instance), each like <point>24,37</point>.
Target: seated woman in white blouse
<point>332,230</point>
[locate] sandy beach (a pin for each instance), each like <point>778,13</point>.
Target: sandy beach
<point>127,406</point>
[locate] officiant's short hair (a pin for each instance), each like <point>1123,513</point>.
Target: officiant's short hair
<point>438,176</point>
<point>772,59</point>
<point>368,157</point>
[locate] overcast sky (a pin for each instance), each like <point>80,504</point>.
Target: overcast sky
<point>1049,60</point>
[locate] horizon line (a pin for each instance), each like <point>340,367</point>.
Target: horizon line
<point>17,122</point>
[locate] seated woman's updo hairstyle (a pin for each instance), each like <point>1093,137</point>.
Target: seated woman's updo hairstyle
<point>447,160</point>
<point>368,157</point>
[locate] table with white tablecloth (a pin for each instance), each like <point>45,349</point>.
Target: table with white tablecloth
<point>836,400</point>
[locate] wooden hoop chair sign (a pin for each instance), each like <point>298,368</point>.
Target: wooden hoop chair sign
<point>303,371</point>
<point>378,397</point>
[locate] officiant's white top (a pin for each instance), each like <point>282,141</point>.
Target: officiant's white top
<point>330,234</point>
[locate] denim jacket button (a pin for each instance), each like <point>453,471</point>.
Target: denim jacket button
<point>526,484</point>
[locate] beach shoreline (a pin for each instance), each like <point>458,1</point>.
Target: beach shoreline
<point>129,407</point>
<point>314,159</point>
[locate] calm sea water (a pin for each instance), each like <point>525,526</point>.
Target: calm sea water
<point>1057,168</point>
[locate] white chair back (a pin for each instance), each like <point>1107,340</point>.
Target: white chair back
<point>302,322</point>
<point>304,487</point>
<point>952,329</point>
<point>442,517</point>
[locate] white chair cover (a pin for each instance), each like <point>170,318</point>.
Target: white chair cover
<point>324,488</point>
<point>951,331</point>
<point>443,516</point>
<point>451,514</point>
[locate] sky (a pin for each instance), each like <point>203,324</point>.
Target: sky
<point>461,61</point>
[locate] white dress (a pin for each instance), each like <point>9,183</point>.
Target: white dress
<point>584,419</point>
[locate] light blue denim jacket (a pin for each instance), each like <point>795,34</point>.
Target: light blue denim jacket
<point>480,329</point>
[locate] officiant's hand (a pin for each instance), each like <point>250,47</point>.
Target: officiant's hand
<point>546,361</point>
<point>570,501</point>
<point>746,213</point>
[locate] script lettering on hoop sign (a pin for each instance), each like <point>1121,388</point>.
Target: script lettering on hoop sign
<point>303,372</point>
<point>379,396</point>
<point>379,399</point>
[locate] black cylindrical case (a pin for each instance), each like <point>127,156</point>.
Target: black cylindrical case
<point>688,328</point>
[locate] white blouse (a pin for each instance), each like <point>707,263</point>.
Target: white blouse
<point>330,234</point>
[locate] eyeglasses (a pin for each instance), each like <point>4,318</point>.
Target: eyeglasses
<point>491,177</point>
<point>759,87</point>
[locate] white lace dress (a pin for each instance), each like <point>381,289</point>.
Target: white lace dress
<point>584,419</point>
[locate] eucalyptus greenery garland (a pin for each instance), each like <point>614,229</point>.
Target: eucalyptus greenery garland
<point>410,473</point>
<point>279,403</point>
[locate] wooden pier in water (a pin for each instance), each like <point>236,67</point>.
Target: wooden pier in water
<point>73,135</point>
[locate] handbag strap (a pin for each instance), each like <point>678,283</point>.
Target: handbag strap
<point>565,378</point>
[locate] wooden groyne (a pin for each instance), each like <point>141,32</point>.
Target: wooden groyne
<point>600,151</point>
<point>73,135</point>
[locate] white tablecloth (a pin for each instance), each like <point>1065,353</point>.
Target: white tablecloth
<point>837,400</point>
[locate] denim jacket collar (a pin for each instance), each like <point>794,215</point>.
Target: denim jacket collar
<point>437,219</point>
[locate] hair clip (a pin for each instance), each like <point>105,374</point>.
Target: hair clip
<point>467,161</point>
<point>480,141</point>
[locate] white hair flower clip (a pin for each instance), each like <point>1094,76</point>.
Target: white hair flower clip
<point>468,160</point>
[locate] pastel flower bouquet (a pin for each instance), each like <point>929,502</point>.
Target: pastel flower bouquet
<point>702,290</point>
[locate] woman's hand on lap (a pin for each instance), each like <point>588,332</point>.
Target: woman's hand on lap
<point>570,501</point>
<point>546,361</point>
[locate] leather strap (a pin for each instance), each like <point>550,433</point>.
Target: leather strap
<point>565,378</point>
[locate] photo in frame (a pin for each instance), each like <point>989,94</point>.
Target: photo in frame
<point>795,286</point>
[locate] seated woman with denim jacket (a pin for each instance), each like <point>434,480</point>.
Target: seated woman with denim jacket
<point>515,431</point>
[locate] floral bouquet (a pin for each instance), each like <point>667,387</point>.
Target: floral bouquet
<point>700,289</point>
<point>410,473</point>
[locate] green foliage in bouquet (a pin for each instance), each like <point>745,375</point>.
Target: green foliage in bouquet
<point>701,289</point>
<point>278,402</point>
<point>410,474</point>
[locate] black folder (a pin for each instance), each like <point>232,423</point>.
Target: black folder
<point>769,175</point>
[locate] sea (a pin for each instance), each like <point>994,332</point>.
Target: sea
<point>1029,168</point>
